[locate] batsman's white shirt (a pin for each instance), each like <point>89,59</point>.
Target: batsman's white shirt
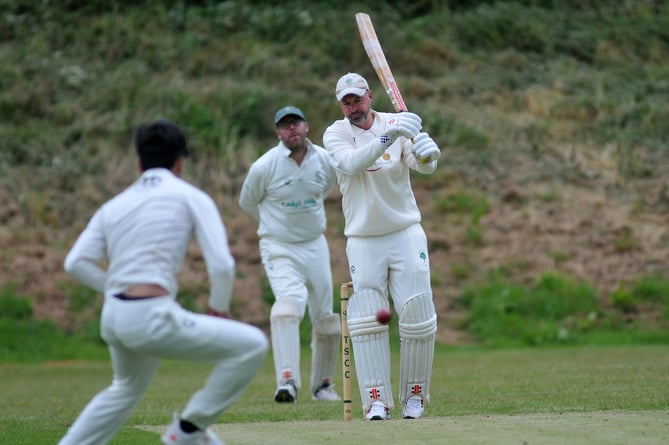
<point>163,212</point>
<point>377,194</point>
<point>286,198</point>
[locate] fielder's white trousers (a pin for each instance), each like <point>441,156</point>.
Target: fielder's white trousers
<point>300,272</point>
<point>141,332</point>
<point>397,262</point>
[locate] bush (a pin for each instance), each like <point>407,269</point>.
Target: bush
<point>13,307</point>
<point>653,289</point>
<point>553,310</point>
<point>41,340</point>
<point>23,338</point>
<point>646,294</point>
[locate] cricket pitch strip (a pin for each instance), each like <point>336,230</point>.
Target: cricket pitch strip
<point>575,428</point>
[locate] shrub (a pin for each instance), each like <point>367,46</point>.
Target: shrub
<point>624,300</point>
<point>555,309</point>
<point>653,289</point>
<point>14,307</point>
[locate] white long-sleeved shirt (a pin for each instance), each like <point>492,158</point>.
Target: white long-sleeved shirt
<point>377,198</point>
<point>287,198</point>
<point>144,232</point>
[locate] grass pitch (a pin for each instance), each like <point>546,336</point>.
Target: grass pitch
<point>599,427</point>
<point>576,395</point>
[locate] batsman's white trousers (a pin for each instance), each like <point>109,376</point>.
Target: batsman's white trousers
<point>141,332</point>
<point>397,262</point>
<point>300,272</point>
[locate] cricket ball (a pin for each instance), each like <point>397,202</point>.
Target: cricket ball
<point>383,316</point>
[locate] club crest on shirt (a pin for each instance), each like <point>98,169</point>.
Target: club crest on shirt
<point>382,161</point>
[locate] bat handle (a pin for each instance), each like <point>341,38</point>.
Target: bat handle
<point>422,161</point>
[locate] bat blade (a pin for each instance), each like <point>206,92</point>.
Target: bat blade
<point>376,55</point>
<point>378,58</point>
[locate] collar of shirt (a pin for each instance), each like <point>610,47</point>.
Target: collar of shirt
<point>286,151</point>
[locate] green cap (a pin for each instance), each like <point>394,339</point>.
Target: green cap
<point>288,111</point>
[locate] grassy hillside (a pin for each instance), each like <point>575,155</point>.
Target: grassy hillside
<point>552,117</point>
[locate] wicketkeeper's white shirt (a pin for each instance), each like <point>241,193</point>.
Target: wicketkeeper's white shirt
<point>144,232</point>
<point>377,194</point>
<point>286,198</point>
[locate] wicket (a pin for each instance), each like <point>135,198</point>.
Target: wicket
<point>345,294</point>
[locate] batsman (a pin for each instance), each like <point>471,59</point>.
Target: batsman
<point>373,154</point>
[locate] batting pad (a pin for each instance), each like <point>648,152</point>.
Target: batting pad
<point>371,347</point>
<point>285,333</point>
<point>418,327</point>
<point>325,338</point>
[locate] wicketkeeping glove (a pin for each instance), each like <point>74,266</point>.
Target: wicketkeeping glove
<point>425,148</point>
<point>402,124</point>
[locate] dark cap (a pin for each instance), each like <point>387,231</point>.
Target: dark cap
<point>288,111</point>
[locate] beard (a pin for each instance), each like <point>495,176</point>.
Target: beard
<point>294,143</point>
<point>358,117</point>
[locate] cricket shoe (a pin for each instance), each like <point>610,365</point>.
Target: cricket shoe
<point>176,436</point>
<point>413,408</point>
<point>286,393</point>
<point>326,392</point>
<point>378,411</point>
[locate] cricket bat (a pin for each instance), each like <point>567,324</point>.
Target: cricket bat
<point>378,58</point>
<point>376,55</point>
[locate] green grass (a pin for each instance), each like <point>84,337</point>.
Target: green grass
<point>469,385</point>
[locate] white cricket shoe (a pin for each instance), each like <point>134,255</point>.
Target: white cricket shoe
<point>413,408</point>
<point>378,411</point>
<point>176,436</point>
<point>326,392</point>
<point>286,393</point>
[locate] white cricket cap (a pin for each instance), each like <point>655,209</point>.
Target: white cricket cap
<point>351,83</point>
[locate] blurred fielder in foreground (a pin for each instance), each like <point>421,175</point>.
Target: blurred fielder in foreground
<point>285,190</point>
<point>386,245</point>
<point>143,233</point>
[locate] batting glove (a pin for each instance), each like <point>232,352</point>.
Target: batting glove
<point>402,124</point>
<point>425,149</point>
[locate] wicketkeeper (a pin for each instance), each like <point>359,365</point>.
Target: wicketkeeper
<point>386,245</point>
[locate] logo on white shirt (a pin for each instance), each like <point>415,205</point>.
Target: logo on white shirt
<point>151,181</point>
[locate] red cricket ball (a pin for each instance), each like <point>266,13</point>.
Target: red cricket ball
<point>384,316</point>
